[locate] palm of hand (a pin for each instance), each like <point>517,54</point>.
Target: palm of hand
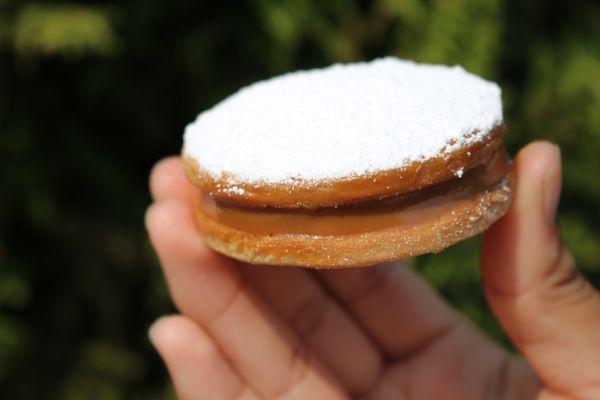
<point>377,333</point>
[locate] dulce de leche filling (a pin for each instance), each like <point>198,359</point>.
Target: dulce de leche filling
<point>403,211</point>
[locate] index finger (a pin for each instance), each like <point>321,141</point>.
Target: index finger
<point>168,181</point>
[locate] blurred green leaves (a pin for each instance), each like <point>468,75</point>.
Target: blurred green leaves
<point>329,25</point>
<point>562,100</point>
<point>68,30</point>
<point>583,238</point>
<point>14,292</point>
<point>465,32</point>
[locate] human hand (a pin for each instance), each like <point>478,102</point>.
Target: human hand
<point>248,332</point>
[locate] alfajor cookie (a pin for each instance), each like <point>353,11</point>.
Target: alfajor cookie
<point>350,165</point>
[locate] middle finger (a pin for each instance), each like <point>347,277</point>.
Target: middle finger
<point>325,327</point>
<point>300,301</point>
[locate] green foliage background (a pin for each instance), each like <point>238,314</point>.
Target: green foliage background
<point>92,94</point>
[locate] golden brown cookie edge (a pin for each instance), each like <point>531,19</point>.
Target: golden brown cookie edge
<point>363,249</point>
<point>308,194</point>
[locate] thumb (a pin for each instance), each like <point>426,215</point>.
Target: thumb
<point>551,313</point>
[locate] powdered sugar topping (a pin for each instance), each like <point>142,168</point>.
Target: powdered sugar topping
<point>342,121</point>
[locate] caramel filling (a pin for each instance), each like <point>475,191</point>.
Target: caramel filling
<point>403,211</point>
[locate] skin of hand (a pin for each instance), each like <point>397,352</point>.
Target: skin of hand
<point>248,332</point>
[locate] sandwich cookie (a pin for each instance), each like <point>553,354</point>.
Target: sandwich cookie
<point>350,165</point>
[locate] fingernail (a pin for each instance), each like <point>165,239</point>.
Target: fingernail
<point>552,185</point>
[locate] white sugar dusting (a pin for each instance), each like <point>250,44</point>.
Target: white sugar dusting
<point>235,190</point>
<point>342,121</point>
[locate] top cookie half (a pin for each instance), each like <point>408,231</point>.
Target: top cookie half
<point>343,134</point>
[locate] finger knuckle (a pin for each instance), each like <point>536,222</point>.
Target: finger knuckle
<point>563,282</point>
<point>369,283</point>
<point>310,314</point>
<point>296,371</point>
